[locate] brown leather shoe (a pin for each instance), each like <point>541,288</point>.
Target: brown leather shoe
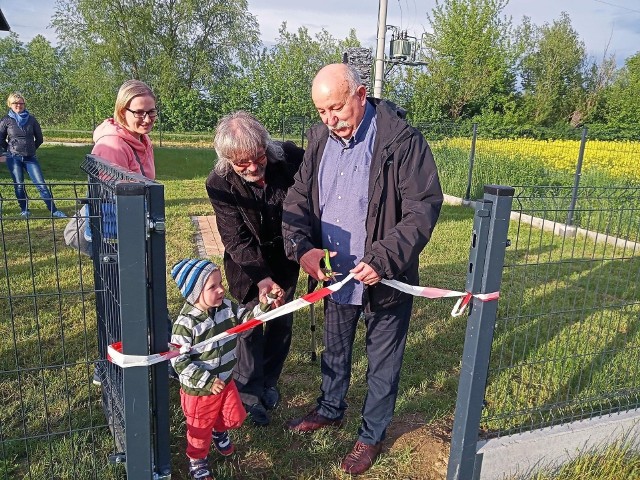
<point>312,421</point>
<point>360,459</point>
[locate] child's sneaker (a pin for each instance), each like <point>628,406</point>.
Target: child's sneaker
<point>199,470</point>
<point>223,444</point>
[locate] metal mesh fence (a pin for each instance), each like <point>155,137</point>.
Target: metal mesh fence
<point>294,129</point>
<point>467,160</point>
<point>567,336</point>
<point>52,424</point>
<point>102,221</point>
<point>59,309</point>
<point>469,157</point>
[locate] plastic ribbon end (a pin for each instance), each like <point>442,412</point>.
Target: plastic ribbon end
<point>461,305</point>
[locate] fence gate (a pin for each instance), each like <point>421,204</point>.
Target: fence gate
<point>59,309</point>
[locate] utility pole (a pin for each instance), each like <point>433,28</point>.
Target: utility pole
<point>382,30</point>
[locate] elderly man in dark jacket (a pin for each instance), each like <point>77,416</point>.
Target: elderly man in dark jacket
<point>247,188</point>
<point>368,191</point>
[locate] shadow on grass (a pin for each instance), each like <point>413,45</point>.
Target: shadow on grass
<point>565,335</point>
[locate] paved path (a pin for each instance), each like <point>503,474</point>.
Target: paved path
<point>207,237</point>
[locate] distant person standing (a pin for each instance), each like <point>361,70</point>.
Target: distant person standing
<point>20,136</point>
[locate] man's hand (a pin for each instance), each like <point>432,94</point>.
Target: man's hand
<point>218,386</point>
<point>310,263</point>
<point>365,274</point>
<point>268,286</point>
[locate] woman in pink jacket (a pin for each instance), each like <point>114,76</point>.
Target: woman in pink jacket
<point>124,139</point>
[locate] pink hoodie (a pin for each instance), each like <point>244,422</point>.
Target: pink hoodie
<point>116,144</point>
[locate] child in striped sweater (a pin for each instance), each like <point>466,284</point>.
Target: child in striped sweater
<point>208,394</point>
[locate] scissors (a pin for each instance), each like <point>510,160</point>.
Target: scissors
<point>327,270</point>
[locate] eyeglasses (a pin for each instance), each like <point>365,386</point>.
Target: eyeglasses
<point>243,164</point>
<point>141,113</point>
<point>17,103</point>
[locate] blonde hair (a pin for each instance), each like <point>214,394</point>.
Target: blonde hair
<point>14,96</point>
<point>129,90</point>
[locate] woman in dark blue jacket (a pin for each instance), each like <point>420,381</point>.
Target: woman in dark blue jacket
<point>20,136</point>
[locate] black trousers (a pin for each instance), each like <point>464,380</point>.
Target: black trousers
<point>261,354</point>
<point>386,336</point>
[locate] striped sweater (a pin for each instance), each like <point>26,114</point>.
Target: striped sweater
<point>198,371</point>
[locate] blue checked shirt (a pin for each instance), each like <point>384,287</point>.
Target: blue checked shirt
<point>343,180</point>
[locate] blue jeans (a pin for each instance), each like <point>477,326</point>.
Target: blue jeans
<point>17,164</point>
<point>386,337</point>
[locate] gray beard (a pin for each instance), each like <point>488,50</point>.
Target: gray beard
<point>255,176</point>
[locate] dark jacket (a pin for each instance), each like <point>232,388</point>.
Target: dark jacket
<point>249,255</point>
<point>404,203</point>
<point>20,141</point>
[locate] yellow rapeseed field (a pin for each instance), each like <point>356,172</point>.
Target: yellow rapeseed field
<point>618,159</point>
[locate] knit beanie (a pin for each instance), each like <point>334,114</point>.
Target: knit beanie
<point>190,275</point>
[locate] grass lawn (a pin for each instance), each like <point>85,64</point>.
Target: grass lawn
<point>427,394</point>
<point>51,424</point>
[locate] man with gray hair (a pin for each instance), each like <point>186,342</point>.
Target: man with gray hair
<point>247,187</point>
<point>367,191</point>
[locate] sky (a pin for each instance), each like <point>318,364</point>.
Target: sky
<point>603,25</point>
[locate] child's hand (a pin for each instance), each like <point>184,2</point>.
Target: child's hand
<point>218,386</point>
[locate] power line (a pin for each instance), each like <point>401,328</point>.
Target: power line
<point>618,6</point>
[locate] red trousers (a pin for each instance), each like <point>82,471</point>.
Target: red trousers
<point>208,413</point>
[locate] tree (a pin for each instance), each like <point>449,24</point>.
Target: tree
<point>597,83</point>
<point>469,56</point>
<point>279,83</point>
<point>174,45</point>
<point>552,71</point>
<point>43,82</point>
<point>12,55</point>
<point>623,99</point>
<point>36,70</point>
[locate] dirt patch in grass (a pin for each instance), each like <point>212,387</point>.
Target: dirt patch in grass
<point>428,444</point>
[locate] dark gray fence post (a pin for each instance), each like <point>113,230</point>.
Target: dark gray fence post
<point>132,231</point>
<point>484,275</point>
<point>160,325</point>
<point>576,178</point>
<point>472,156</point>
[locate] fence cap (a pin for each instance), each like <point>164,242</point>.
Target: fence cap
<point>129,189</point>
<point>499,190</point>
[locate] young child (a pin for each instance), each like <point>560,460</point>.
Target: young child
<point>208,394</point>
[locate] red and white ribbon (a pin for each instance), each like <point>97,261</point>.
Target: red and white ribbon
<point>431,292</point>
<point>115,355</point>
